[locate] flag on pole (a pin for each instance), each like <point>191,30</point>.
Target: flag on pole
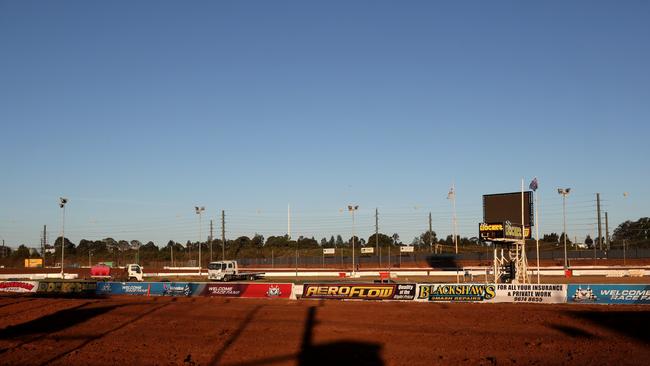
<point>533,184</point>
<point>451,193</point>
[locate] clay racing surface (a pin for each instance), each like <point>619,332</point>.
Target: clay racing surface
<point>217,331</point>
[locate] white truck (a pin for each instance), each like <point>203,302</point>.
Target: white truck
<point>229,271</point>
<point>133,272</point>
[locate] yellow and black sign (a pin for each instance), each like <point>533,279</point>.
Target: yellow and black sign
<point>457,292</point>
<point>359,291</point>
<point>502,231</point>
<point>33,262</point>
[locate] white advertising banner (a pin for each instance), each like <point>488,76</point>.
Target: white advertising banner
<point>534,293</point>
<point>18,286</point>
<point>407,249</point>
<point>367,250</point>
<point>328,250</point>
<point>491,293</point>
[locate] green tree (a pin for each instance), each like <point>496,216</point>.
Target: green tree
<point>383,239</point>
<point>21,253</point>
<point>634,232</point>
<point>551,238</point>
<point>589,241</point>
<point>428,235</point>
<point>568,239</point>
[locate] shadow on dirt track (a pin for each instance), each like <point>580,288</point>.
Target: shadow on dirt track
<point>345,352</point>
<point>55,322</point>
<point>631,324</point>
<point>334,353</point>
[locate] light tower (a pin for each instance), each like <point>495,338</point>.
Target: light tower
<point>62,202</point>
<point>564,192</point>
<point>199,211</point>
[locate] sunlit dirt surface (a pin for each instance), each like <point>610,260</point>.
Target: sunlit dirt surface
<point>211,331</point>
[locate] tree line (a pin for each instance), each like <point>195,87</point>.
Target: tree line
<point>632,233</point>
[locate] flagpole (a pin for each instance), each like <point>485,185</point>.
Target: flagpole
<point>453,187</point>
<point>537,231</point>
<point>523,228</point>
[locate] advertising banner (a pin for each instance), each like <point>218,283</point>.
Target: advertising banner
<point>33,262</point>
<point>149,288</point>
<point>366,291</point>
<point>176,288</point>
<point>535,293</point>
<point>18,286</point>
<point>258,290</point>
<point>406,249</point>
<point>329,250</point>
<point>492,293</point>
<point>608,294</point>
<point>367,250</point>
<point>446,292</point>
<point>67,287</point>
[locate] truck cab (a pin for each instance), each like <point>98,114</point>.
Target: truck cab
<point>134,272</point>
<point>229,271</point>
<point>222,270</point>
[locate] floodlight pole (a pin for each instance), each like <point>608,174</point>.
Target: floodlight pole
<point>352,208</point>
<point>564,192</point>
<point>199,211</point>
<point>62,202</point>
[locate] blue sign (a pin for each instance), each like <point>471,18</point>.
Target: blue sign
<point>149,288</point>
<point>608,294</point>
<point>122,288</point>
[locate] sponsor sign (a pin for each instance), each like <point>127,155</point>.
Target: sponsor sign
<point>66,287</point>
<point>258,290</point>
<point>359,291</point>
<point>504,230</point>
<point>18,286</point>
<point>535,293</point>
<point>329,250</point>
<point>122,288</point>
<point>368,250</point>
<point>33,263</point>
<point>443,292</point>
<point>608,294</point>
<point>148,288</point>
<point>406,249</point>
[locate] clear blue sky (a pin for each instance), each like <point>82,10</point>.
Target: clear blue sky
<point>137,111</point>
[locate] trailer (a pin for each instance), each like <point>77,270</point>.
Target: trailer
<point>229,271</point>
<point>134,272</point>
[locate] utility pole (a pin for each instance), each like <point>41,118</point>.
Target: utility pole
<point>377,235</point>
<point>600,229</point>
<point>606,231</point>
<point>43,243</point>
<point>430,234</point>
<point>223,235</point>
<point>210,239</point>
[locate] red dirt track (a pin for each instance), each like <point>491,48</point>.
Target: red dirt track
<point>214,331</point>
